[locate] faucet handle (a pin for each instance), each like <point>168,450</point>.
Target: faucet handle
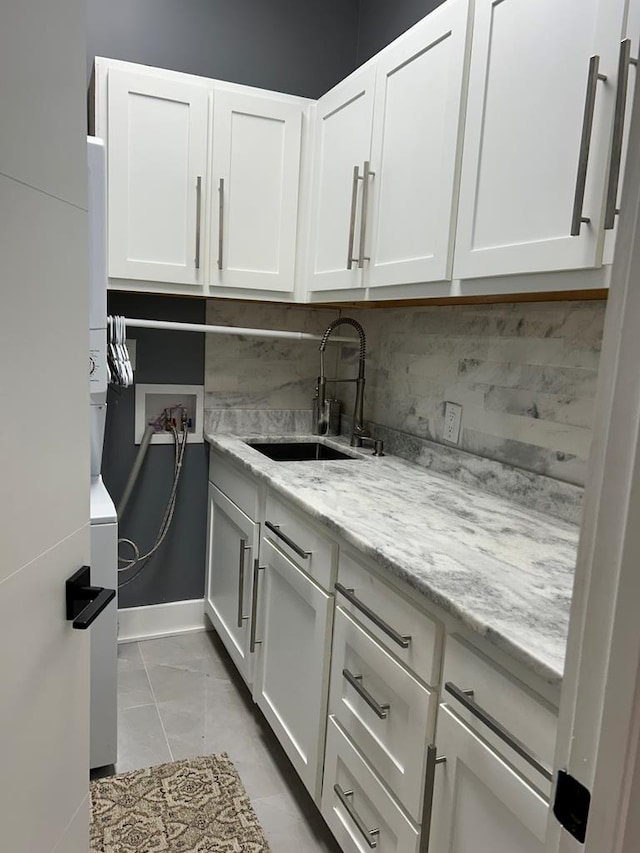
<point>358,440</point>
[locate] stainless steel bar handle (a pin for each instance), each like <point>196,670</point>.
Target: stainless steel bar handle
<point>198,209</point>
<point>352,221</point>
<point>354,680</point>
<point>402,640</point>
<point>363,219</point>
<point>491,723</point>
<point>243,550</point>
<point>624,62</point>
<point>220,221</point>
<point>275,529</point>
<point>430,777</point>
<point>257,568</point>
<point>585,143</point>
<point>367,834</point>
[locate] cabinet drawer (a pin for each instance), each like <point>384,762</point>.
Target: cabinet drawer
<point>243,491</point>
<point>370,806</point>
<point>423,650</point>
<point>523,714</point>
<point>300,540</point>
<point>386,712</point>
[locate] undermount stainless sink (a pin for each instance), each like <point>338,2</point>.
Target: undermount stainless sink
<point>298,451</point>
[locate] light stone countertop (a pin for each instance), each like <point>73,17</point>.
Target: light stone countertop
<point>506,572</point>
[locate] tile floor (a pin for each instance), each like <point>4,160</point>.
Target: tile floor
<point>182,696</point>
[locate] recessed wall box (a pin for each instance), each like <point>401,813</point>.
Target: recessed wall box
<point>161,405</point>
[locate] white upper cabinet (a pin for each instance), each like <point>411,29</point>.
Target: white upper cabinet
<point>157,164</point>
<point>537,135</point>
<point>386,161</point>
<point>344,119</point>
<point>254,191</point>
<point>419,85</point>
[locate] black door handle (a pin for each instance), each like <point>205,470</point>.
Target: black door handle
<point>85,602</point>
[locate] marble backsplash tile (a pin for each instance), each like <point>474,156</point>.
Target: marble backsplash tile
<point>255,373</point>
<point>256,421</point>
<point>524,373</point>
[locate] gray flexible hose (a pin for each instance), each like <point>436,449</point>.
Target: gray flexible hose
<point>135,470</point>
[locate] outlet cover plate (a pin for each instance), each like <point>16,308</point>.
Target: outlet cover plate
<point>452,422</point>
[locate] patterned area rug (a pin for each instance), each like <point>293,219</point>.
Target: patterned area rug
<point>194,806</point>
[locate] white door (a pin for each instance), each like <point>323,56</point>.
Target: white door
<point>292,671</point>
<point>44,469</point>
<point>344,118</point>
<point>600,704</point>
<point>254,190</point>
<point>525,117</point>
<point>232,541</point>
<point>416,142</point>
<point>480,803</point>
<point>157,167</point>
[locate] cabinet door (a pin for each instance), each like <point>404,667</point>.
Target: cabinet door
<point>416,132</point>
<point>525,115</point>
<point>256,169</point>
<point>232,541</point>
<point>292,671</point>
<point>157,151</point>
<point>480,802</point>
<point>344,118</point>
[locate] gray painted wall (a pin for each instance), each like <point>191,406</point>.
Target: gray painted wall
<point>382,21</point>
<point>303,48</point>
<point>176,571</point>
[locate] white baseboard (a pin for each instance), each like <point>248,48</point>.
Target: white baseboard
<point>161,620</point>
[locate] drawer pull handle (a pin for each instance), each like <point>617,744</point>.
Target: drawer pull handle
<point>363,220</point>
<point>367,834</point>
<point>585,143</point>
<point>376,707</point>
<point>257,568</point>
<point>220,222</point>
<point>243,550</point>
<point>625,61</point>
<point>402,640</point>
<point>433,759</point>
<point>491,723</point>
<point>198,209</point>
<point>275,529</point>
<point>352,220</point>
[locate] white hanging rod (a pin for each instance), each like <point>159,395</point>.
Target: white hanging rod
<point>132,322</point>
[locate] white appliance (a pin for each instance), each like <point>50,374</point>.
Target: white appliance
<point>104,525</point>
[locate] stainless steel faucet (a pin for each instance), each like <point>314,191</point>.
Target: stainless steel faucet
<point>321,419</point>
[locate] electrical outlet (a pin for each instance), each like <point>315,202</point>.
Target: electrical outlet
<point>452,422</point>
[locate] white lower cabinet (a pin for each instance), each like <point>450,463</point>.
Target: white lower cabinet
<point>356,805</point>
<point>387,713</point>
<point>232,540</point>
<point>293,632</point>
<point>370,680</point>
<point>480,802</point>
